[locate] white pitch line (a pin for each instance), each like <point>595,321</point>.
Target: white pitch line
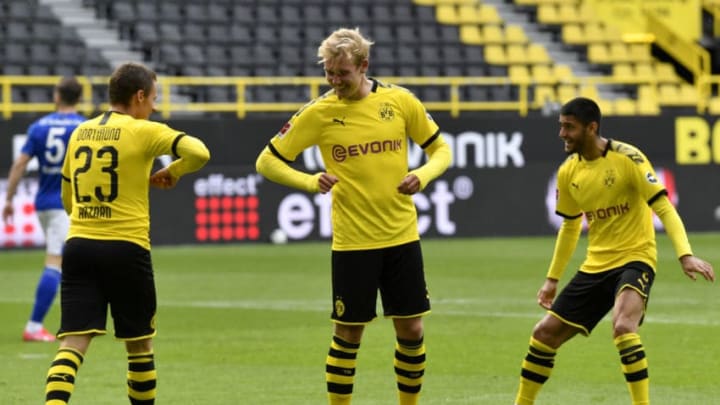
<point>467,307</point>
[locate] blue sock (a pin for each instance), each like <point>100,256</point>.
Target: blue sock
<point>45,294</point>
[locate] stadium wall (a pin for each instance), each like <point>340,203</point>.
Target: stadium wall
<point>500,182</point>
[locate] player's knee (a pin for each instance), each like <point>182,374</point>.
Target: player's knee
<point>623,325</point>
<point>409,329</point>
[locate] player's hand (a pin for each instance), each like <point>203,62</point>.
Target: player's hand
<point>409,185</point>
<point>547,292</point>
<point>7,213</point>
<point>691,265</point>
<point>326,182</point>
<point>162,179</point>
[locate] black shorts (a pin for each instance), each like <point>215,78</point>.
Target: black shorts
<point>590,296</point>
<point>396,271</point>
<point>102,273</point>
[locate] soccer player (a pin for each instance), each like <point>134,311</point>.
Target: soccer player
<point>614,186</point>
<point>362,127</point>
<point>106,262</point>
<point>47,141</point>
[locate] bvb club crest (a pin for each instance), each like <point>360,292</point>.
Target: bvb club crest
<point>386,112</point>
<point>609,178</point>
<point>339,307</point>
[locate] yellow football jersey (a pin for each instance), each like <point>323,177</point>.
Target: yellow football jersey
<point>365,144</point>
<point>108,166</point>
<point>614,192</point>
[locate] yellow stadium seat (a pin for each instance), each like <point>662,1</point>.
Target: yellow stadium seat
<point>618,52</point>
<point>542,74</point>
<point>488,14</point>
<point>470,34</point>
<point>446,14</point>
<point>714,106</point>
<point>519,74</point>
<point>594,32</point>
<point>547,14</point>
<point>644,72</point>
<point>647,102</point>
<point>625,106</point>
<point>566,92</point>
<point>584,12</point>
<point>665,73</point>
<point>668,94</point>
<point>439,2</point>
<point>495,55</point>
<point>623,72</point>
<point>688,94</point>
<point>536,53</point>
<point>606,107</point>
<point>492,34</point>
<point>468,14</point>
<point>598,53</point>
<point>544,95</point>
<point>515,34</point>
<point>562,72</point>
<point>572,34</point>
<point>589,91</point>
<point>568,13</point>
<point>639,52</point>
<point>516,54</point>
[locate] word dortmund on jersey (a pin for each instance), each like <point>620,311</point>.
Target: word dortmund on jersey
<point>365,144</point>
<point>108,162</point>
<point>614,192</point>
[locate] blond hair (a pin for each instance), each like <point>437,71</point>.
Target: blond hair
<point>345,43</point>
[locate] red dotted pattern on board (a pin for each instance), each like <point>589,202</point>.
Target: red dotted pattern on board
<point>225,219</point>
<point>23,225</point>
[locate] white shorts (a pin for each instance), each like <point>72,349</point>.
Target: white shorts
<point>55,224</point>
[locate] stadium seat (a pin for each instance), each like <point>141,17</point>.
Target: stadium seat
<point>495,54</point>
<point>625,106</point>
<point>514,34</point>
<point>519,74</point>
<point>543,95</point>
<point>542,74</point>
<point>471,34</point>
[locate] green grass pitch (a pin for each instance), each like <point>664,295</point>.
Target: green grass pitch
<point>249,324</point>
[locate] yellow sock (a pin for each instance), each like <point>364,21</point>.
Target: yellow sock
<point>536,369</point>
<point>340,371</point>
<point>635,367</point>
<point>409,370</point>
<point>60,381</point>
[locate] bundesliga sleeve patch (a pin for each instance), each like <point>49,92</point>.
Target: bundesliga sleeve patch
<point>284,130</point>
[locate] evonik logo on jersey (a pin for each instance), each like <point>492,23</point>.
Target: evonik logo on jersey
<point>340,153</point>
<point>665,176</point>
<point>470,149</point>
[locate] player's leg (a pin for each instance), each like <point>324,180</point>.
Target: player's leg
<point>354,289</point>
<point>60,382</point>
<point>577,309</point>
<point>55,226</point>
<point>130,285</point>
<point>405,299</point>
<point>547,337</point>
<point>628,313</point>
<point>141,375</point>
<point>83,315</point>
<point>409,358</point>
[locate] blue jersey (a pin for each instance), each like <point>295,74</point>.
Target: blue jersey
<point>47,141</point>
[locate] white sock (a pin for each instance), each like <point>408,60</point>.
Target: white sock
<point>33,327</point>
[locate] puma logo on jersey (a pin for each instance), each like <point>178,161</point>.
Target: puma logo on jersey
<point>339,121</point>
